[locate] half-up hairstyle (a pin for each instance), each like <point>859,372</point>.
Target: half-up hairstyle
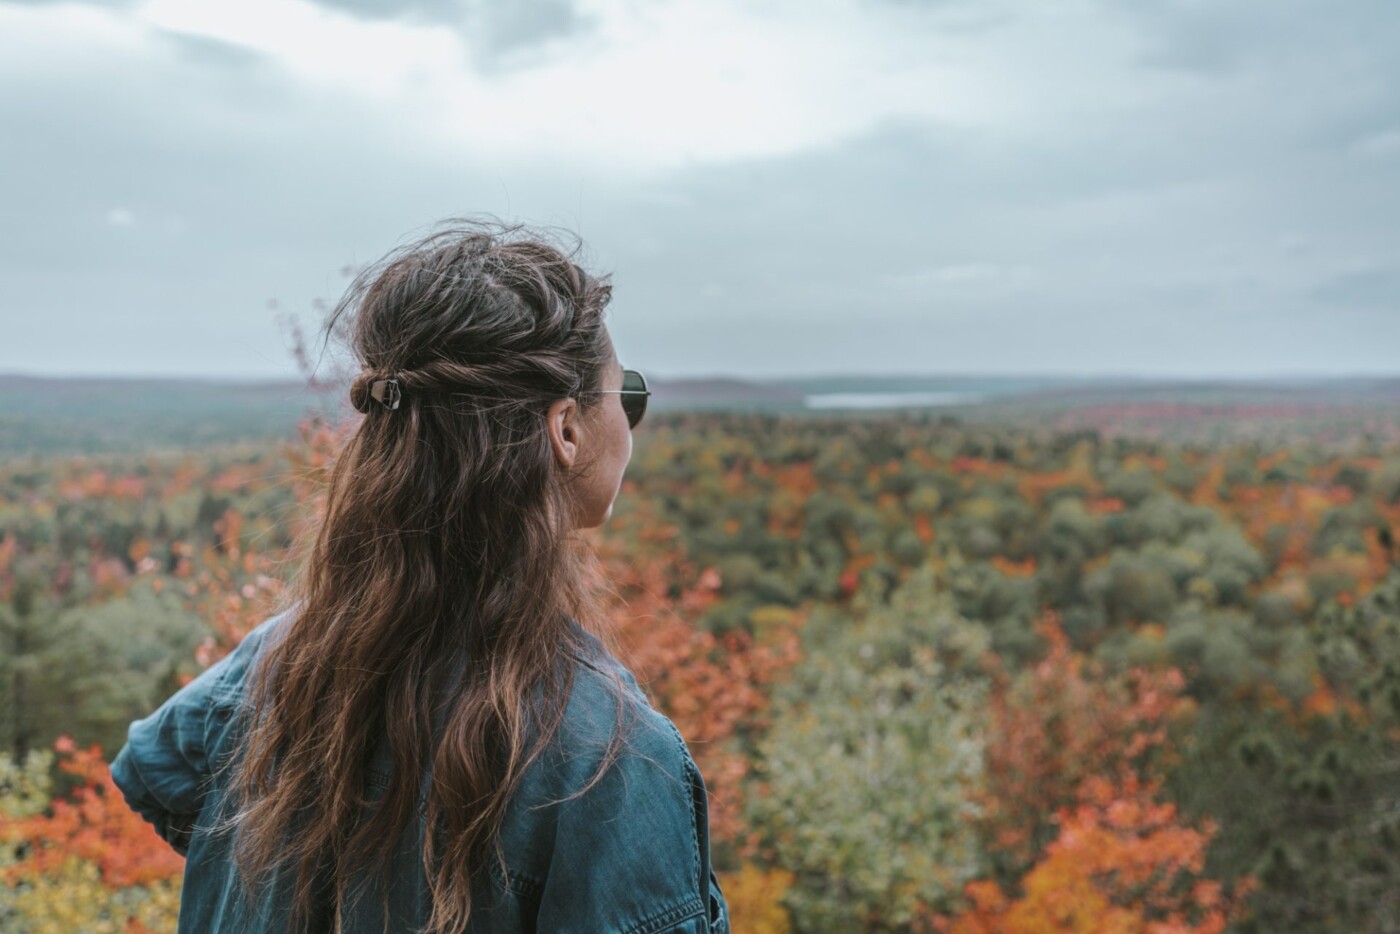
<point>445,546</point>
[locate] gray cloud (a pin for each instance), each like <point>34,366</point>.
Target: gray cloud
<point>521,25</point>
<point>1374,289</point>
<point>1207,38</point>
<point>497,32</point>
<point>203,50</point>
<point>98,3</point>
<point>437,10</point>
<point>1208,227</point>
<point>1238,35</point>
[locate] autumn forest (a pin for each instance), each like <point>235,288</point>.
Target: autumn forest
<point>940,675</point>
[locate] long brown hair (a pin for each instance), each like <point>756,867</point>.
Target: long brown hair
<point>445,544</point>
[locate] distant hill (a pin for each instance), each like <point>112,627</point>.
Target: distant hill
<point>43,415</point>
<point>48,415</point>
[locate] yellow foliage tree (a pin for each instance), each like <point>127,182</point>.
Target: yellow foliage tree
<point>755,898</point>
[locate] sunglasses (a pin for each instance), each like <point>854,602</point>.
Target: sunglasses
<point>634,394</point>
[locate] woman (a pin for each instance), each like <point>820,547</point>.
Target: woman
<point>427,737</point>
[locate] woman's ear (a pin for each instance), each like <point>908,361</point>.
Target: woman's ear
<point>562,423</point>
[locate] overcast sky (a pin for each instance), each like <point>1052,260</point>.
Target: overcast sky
<point>1146,187</point>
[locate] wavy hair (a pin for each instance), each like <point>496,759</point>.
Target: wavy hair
<point>445,547</point>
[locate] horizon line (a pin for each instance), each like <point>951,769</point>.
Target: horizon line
<point>1121,376</point>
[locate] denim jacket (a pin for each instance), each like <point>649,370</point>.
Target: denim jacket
<point>630,854</point>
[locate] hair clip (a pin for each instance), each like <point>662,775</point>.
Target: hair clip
<point>386,392</point>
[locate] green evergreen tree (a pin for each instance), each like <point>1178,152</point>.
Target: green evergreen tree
<point>875,745</point>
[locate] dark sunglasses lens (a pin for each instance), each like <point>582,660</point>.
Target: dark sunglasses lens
<point>634,397</point>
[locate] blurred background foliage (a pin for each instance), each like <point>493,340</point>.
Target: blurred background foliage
<point>939,675</point>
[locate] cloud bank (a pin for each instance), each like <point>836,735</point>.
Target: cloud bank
<point>1162,188</point>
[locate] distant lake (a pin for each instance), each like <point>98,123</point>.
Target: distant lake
<point>890,400</point>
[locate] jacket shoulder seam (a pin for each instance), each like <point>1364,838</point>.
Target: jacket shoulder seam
<point>691,773</point>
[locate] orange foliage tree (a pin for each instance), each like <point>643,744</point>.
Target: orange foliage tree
<point>237,586</point>
<point>94,824</point>
<point>1122,863</point>
<point>1058,724</point>
<point>712,687</point>
<point>1072,809</point>
<point>77,854</point>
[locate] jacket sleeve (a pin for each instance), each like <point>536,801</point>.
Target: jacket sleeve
<point>164,771</point>
<point>631,853</point>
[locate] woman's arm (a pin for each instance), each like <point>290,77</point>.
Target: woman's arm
<point>163,769</point>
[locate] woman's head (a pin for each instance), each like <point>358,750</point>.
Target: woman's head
<point>444,567</point>
<point>500,328</point>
